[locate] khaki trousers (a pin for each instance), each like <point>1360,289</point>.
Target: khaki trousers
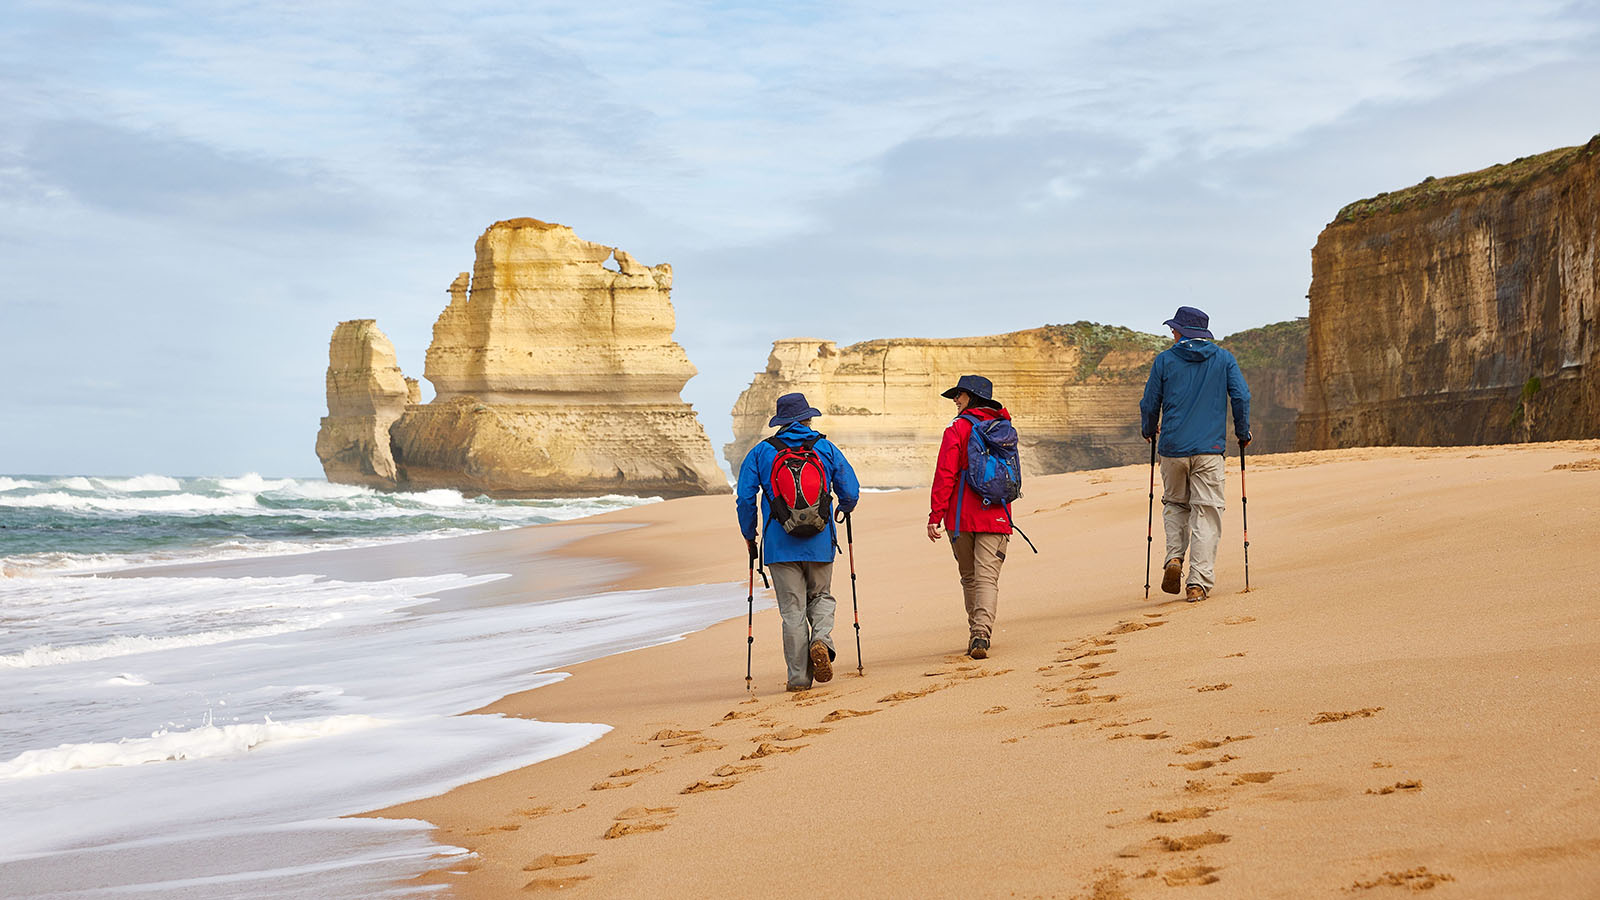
<point>807,611</point>
<point>1191,511</point>
<point>979,555</point>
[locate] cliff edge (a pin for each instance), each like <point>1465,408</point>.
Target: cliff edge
<point>1462,310</point>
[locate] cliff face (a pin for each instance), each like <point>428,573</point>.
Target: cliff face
<point>1462,310</point>
<point>1073,390</point>
<point>1273,360</point>
<point>555,375</point>
<point>366,394</point>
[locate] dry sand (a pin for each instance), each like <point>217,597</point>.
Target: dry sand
<point>1407,699</point>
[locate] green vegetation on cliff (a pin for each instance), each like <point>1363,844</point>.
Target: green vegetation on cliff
<point>1094,341</point>
<point>1281,344</point>
<point>1432,190</point>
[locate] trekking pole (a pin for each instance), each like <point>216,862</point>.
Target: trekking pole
<point>1244,511</point>
<point>750,628</point>
<point>1150,518</point>
<point>850,542</point>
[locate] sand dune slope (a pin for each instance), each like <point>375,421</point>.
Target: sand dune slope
<point>1409,698</point>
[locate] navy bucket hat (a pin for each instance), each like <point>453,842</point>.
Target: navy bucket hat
<point>1191,323</point>
<point>981,389</point>
<point>792,408</point>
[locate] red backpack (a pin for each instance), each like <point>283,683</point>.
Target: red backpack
<point>797,488</point>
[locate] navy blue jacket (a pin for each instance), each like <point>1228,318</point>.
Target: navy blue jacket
<point>778,545</point>
<point>1191,385</point>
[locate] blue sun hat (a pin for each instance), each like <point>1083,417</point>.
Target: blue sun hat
<point>1191,323</point>
<point>792,408</point>
<point>981,389</point>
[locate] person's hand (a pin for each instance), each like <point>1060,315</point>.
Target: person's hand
<point>750,547</point>
<point>1244,442</point>
<point>935,531</point>
<point>1148,438</point>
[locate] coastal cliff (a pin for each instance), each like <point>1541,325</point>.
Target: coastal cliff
<point>1073,390</point>
<point>555,375</point>
<point>1462,310</point>
<point>1273,361</point>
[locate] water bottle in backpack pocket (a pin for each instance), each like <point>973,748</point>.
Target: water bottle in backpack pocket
<point>798,490</point>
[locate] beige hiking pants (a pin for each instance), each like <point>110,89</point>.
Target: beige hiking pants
<point>1191,510</point>
<point>979,555</point>
<point>807,607</point>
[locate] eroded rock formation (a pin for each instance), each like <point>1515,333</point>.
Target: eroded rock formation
<point>1073,389</point>
<point>1273,360</point>
<point>366,394</point>
<point>1462,310</point>
<point>554,376</point>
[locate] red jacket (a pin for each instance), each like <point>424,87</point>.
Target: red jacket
<point>948,478</point>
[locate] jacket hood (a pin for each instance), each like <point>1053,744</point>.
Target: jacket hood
<point>1194,350</point>
<point>798,433</point>
<point>984,412</point>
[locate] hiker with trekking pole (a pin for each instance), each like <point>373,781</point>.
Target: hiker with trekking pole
<point>1184,413</point>
<point>975,478</point>
<point>797,473</point>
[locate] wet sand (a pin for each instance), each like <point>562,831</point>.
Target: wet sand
<point>1407,698</point>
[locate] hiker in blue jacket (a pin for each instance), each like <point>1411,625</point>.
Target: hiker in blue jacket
<point>1186,402</point>
<point>801,566</point>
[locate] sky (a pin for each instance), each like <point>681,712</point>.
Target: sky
<point>192,195</point>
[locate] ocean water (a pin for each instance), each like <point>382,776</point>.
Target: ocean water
<point>84,523</point>
<point>204,736</point>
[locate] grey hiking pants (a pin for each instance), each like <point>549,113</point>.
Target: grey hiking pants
<point>1191,510</point>
<point>806,607</point>
<point>979,555</point>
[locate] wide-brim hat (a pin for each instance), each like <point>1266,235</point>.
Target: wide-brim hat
<point>981,389</point>
<point>793,408</point>
<point>1191,323</point>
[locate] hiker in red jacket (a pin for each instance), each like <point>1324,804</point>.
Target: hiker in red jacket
<point>979,534</point>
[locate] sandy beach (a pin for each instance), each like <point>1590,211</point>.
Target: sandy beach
<point>1408,698</point>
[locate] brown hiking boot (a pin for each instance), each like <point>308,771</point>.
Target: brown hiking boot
<point>1196,593</point>
<point>978,648</point>
<point>1173,575</point>
<point>821,665</point>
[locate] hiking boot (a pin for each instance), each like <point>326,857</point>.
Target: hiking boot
<point>821,665</point>
<point>1196,593</point>
<point>978,648</point>
<point>796,688</point>
<point>1173,575</point>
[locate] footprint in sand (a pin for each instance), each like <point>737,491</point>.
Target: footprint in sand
<point>1130,627</point>
<point>557,861</point>
<point>841,714</point>
<point>1220,686</point>
<point>1168,816</point>
<point>644,812</point>
<point>1366,713</point>
<point>1190,875</point>
<point>532,812</point>
<point>623,829</point>
<point>1399,787</point>
<point>1233,656</point>
<point>1164,844</point>
<point>700,787</point>
<point>1418,879</point>
<point>611,785</point>
<point>729,771</point>
<point>1197,765</point>
<point>898,696</point>
<point>513,827</point>
<point>767,749</point>
<point>993,710</point>
<point>1238,620</point>
<point>1197,746</point>
<point>539,885</point>
<point>1255,777</point>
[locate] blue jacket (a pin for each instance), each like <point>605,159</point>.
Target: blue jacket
<point>778,545</point>
<point>1190,387</point>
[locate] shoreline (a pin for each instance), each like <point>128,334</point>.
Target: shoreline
<point>1099,784</point>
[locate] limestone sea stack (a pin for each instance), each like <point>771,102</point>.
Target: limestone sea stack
<point>1073,390</point>
<point>366,394</point>
<point>555,375</point>
<point>1462,310</point>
